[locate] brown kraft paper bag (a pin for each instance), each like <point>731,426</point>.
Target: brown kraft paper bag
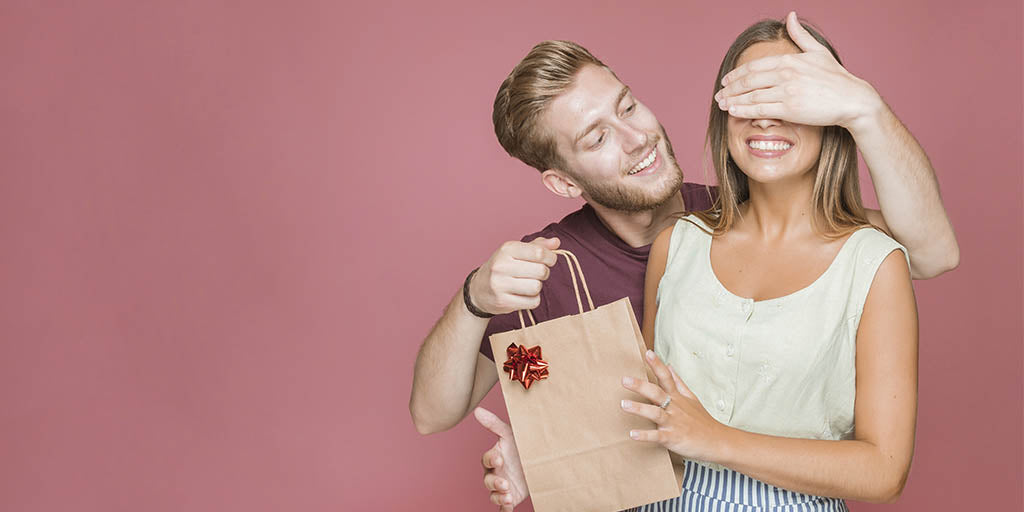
<point>572,434</point>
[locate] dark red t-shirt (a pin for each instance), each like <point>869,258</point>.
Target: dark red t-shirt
<point>613,269</point>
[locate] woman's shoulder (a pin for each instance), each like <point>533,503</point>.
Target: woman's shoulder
<point>871,245</point>
<point>683,235</point>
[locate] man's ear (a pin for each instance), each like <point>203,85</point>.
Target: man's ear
<point>561,184</point>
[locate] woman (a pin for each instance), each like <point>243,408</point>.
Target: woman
<point>787,315</point>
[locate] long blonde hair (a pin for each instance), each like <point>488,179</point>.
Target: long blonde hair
<point>836,193</point>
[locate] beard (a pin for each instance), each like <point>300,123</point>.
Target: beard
<point>620,196</point>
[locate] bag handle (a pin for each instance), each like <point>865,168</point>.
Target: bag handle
<point>574,267</point>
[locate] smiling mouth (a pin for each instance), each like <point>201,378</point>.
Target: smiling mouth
<point>646,163</point>
<point>768,148</point>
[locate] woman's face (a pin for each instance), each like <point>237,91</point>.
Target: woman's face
<point>771,150</point>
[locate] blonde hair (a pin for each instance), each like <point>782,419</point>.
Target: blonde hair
<point>547,71</point>
<point>836,194</point>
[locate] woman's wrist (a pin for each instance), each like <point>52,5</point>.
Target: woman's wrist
<point>723,445</point>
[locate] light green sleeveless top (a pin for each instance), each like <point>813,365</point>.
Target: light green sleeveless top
<point>783,366</point>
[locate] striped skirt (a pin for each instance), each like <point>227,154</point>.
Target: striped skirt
<point>706,489</point>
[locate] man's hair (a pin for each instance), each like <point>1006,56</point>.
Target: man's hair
<point>547,71</point>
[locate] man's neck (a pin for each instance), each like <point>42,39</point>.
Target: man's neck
<point>638,229</point>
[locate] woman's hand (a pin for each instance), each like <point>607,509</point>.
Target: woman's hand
<point>684,426</point>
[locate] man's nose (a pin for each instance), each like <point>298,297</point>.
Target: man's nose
<point>764,124</point>
<point>633,139</point>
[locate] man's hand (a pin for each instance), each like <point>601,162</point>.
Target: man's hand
<point>503,471</point>
<point>805,88</point>
<point>511,280</point>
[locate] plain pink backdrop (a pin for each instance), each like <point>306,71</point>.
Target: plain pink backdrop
<point>227,226</point>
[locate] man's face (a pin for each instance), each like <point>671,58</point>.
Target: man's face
<point>613,147</point>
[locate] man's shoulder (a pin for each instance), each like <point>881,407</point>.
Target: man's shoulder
<point>572,224</point>
<point>698,197</point>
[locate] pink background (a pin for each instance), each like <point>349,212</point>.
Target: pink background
<point>227,227</point>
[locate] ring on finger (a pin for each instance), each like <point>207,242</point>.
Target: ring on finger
<point>668,400</point>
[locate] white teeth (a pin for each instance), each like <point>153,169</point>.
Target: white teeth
<point>643,165</point>
<point>765,145</point>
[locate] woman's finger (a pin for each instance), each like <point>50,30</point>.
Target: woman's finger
<point>660,371</point>
<point>651,412</point>
<point>653,436</point>
<point>652,392</point>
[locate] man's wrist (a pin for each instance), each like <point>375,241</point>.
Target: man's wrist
<point>870,117</point>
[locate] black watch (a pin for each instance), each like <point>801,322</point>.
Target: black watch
<point>469,304</point>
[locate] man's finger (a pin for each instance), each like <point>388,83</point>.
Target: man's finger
<point>759,111</point>
<point>495,483</point>
<point>801,36</point>
<point>534,252</point>
<point>769,95</point>
<point>501,499</point>
<point>550,243</point>
<point>527,287</point>
<point>763,64</point>
<point>492,422</point>
<point>747,83</point>
<point>492,458</point>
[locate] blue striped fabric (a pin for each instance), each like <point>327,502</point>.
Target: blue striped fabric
<point>706,489</point>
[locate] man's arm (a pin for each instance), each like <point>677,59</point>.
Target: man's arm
<point>813,88</point>
<point>908,192</point>
<point>451,376</point>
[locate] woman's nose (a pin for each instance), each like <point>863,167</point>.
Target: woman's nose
<point>765,123</point>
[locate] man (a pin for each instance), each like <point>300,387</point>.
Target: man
<point>566,114</point>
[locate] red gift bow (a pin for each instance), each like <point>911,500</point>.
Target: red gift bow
<point>525,364</point>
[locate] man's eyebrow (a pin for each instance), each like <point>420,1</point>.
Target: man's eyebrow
<point>591,126</point>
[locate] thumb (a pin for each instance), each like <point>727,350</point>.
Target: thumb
<point>801,36</point>
<point>547,243</point>
<point>492,422</point>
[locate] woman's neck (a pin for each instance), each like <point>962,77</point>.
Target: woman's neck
<point>780,210</point>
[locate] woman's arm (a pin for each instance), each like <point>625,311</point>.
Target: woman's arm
<point>656,261</point>
<point>871,467</point>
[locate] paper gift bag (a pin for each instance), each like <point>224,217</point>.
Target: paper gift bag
<point>572,434</point>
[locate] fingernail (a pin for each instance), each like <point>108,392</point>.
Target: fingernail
<point>502,485</point>
<point>628,381</point>
<point>633,434</point>
<point>497,461</point>
<point>650,355</point>
<point>625,404</point>
<point>732,110</point>
<point>508,500</point>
